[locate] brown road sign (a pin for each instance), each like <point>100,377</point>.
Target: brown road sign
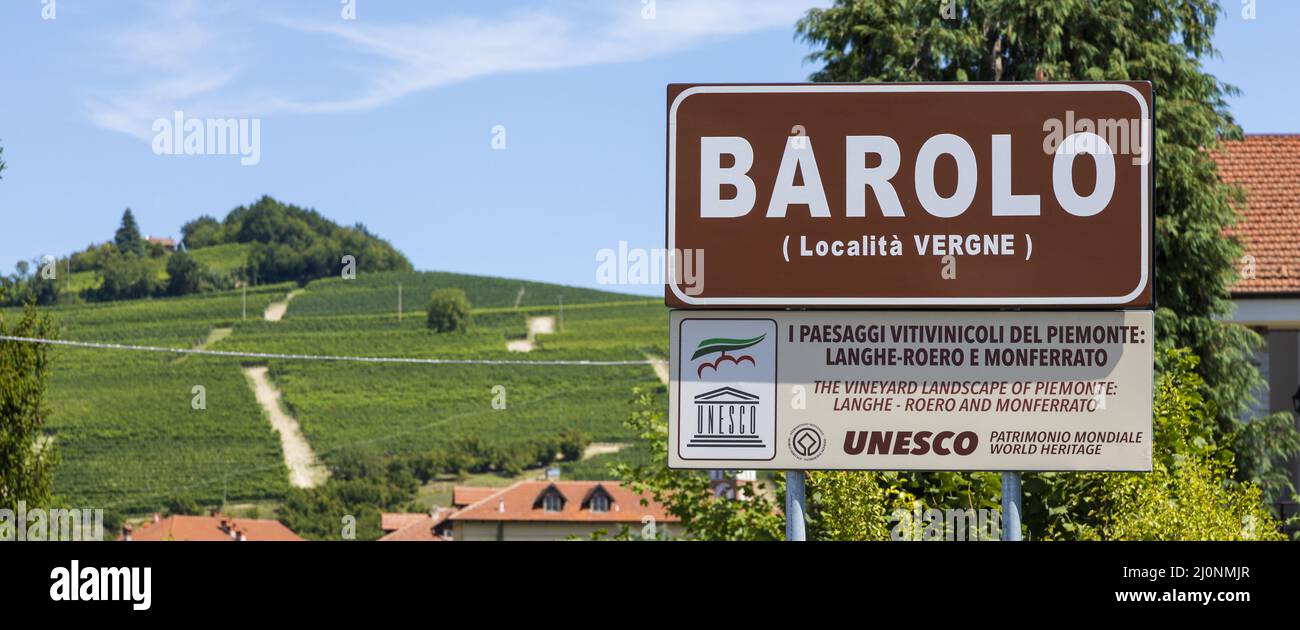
<point>968,195</point>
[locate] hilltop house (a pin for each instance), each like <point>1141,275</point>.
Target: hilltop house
<point>1267,296</point>
<point>555,510</point>
<point>166,243</point>
<point>216,527</point>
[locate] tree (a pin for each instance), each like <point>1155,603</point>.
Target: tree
<point>182,505</point>
<point>449,310</point>
<point>855,505</point>
<point>125,277</point>
<point>1163,41</point>
<point>201,232</point>
<point>27,456</point>
<point>24,286</point>
<point>2,162</point>
<point>292,243</point>
<point>1189,493</point>
<point>127,238</point>
<point>573,443</point>
<point>687,494</point>
<point>184,274</point>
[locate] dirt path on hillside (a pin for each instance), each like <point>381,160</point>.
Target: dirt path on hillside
<point>217,334</point>
<point>661,369</point>
<point>536,326</point>
<point>214,335</point>
<point>275,311</point>
<point>602,448</point>
<point>305,471</point>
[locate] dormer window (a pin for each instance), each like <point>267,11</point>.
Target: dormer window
<point>550,500</point>
<point>598,500</point>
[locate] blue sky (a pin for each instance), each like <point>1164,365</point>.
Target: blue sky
<point>388,119</point>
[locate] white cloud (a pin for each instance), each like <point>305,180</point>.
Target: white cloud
<point>188,56</point>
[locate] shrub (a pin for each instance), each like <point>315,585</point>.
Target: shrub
<point>183,505</point>
<point>449,310</point>
<point>573,444</point>
<point>1190,493</point>
<point>184,274</point>
<point>125,277</point>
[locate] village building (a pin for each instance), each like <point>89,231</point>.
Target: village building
<point>217,527</point>
<point>429,526</point>
<point>557,510</point>
<point>1267,295</point>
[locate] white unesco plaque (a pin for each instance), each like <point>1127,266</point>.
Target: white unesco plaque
<point>1024,391</point>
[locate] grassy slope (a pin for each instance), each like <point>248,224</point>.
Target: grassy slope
<point>123,421</point>
<point>412,408</point>
<point>130,440</point>
<point>218,258</point>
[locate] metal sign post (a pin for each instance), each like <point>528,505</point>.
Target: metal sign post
<point>795,505</point>
<point>1011,506</point>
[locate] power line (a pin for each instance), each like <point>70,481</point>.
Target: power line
<point>313,357</point>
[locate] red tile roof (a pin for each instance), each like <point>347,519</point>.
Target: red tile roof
<point>1268,168</point>
<point>393,521</point>
<point>522,502</point>
<point>215,528</point>
<point>420,527</point>
<point>462,496</point>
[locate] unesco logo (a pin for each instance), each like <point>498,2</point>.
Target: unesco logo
<point>807,441</point>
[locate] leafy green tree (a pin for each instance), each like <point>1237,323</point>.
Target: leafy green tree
<point>1188,495</point>
<point>24,286</point>
<point>183,505</point>
<point>449,311</point>
<point>687,494</point>
<point>1163,41</point>
<point>201,232</point>
<point>184,274</point>
<point>127,238</point>
<point>854,505</point>
<point>363,485</point>
<point>573,443</point>
<point>27,456</point>
<point>125,277</point>
<point>292,243</point>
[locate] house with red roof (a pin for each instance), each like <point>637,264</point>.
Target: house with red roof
<point>464,496</point>
<point>416,527</point>
<point>1267,295</point>
<point>556,510</point>
<point>217,527</point>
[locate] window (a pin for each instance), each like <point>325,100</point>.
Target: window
<point>552,502</point>
<point>550,499</point>
<point>600,503</point>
